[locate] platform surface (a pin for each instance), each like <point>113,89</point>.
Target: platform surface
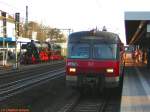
<point>136,89</point>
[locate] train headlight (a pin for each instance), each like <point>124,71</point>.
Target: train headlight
<point>72,69</point>
<point>109,70</point>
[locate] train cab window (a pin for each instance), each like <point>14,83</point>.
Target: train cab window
<point>79,51</point>
<point>105,51</point>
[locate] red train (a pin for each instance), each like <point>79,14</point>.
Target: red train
<point>40,52</point>
<point>94,57</point>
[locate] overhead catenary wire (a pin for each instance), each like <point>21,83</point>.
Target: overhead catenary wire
<point>11,6</point>
<point>9,13</point>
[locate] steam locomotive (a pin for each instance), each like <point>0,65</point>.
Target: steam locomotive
<point>36,52</point>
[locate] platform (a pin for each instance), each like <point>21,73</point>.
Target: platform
<point>136,89</point>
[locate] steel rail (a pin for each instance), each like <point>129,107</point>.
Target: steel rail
<point>71,104</point>
<point>79,105</point>
<point>27,69</point>
<point>11,84</point>
<point>22,85</point>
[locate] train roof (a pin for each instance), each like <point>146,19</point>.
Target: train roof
<point>95,35</point>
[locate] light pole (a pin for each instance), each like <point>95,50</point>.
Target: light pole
<point>4,35</point>
<point>26,23</point>
<point>17,21</point>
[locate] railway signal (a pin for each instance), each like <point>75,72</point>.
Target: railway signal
<point>17,21</point>
<point>4,24</point>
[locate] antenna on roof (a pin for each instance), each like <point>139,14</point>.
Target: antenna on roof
<point>104,28</point>
<point>96,28</point>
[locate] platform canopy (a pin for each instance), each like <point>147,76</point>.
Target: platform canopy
<point>137,28</point>
<point>10,40</point>
<point>7,39</point>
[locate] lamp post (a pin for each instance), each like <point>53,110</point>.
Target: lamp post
<point>26,22</point>
<point>4,35</point>
<point>17,21</point>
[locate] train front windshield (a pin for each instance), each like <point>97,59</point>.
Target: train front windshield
<point>96,51</point>
<point>105,51</point>
<point>79,51</point>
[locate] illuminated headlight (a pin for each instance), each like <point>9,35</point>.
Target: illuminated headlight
<point>110,70</point>
<point>72,69</point>
<point>72,64</point>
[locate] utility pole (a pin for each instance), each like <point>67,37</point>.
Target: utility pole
<point>26,23</point>
<point>4,35</point>
<point>69,30</point>
<point>17,23</point>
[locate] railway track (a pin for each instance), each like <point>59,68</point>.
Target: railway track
<point>31,71</point>
<point>101,103</point>
<point>24,68</point>
<point>34,78</point>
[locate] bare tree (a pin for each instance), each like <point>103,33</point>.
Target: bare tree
<point>45,32</point>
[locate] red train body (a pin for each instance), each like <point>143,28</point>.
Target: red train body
<point>94,58</point>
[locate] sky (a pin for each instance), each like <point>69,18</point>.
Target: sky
<point>77,14</point>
